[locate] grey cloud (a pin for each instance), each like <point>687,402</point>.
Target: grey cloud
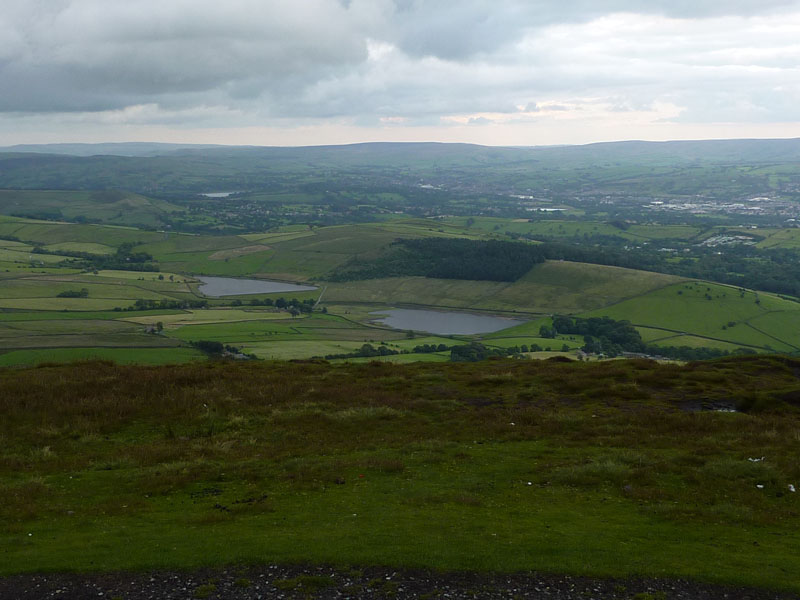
<point>108,55</point>
<point>432,27</point>
<point>252,62</point>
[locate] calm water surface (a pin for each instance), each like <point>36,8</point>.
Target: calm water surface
<point>218,194</point>
<point>444,323</point>
<point>229,286</point>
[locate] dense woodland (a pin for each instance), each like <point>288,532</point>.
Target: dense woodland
<point>446,258</point>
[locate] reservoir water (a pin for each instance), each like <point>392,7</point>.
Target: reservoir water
<point>218,194</point>
<point>230,286</point>
<point>444,323</point>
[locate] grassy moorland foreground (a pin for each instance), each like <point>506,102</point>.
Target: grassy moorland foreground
<point>606,469</point>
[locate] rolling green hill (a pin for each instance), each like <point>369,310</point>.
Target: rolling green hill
<point>175,170</point>
<point>716,312</point>
<point>109,207</point>
<point>552,287</point>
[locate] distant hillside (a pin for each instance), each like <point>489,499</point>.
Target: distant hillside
<point>115,149</point>
<point>173,168</point>
<point>112,207</point>
<point>735,151</point>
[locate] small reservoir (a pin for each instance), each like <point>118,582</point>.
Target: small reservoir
<point>231,286</point>
<point>218,194</point>
<point>444,323</point>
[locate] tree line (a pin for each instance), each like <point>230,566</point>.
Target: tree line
<point>124,259</point>
<point>603,335</point>
<point>444,258</point>
<point>771,270</point>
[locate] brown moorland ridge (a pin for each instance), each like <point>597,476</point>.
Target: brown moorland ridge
<point>622,469</point>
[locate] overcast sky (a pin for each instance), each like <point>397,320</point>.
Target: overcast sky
<point>301,72</point>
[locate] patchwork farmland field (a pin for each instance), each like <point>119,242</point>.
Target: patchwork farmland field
<point>37,285</point>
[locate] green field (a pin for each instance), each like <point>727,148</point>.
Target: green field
<point>708,310</point>
<point>551,287</point>
<point>87,247</point>
<point>650,300</point>
<point>695,342</point>
<point>574,229</point>
<point>111,207</point>
<point>205,316</point>
<point>780,238</point>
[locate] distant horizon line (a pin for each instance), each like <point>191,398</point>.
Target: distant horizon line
<point>384,142</point>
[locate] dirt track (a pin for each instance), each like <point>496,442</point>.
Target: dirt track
<point>272,581</point>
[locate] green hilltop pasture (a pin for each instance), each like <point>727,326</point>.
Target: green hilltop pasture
<point>47,232</point>
<point>308,328</point>
<point>692,341</point>
<point>72,332</point>
<point>267,238</point>
<point>49,286</point>
<point>111,207</point>
<point>550,287</point>
<point>202,263</point>
<point>23,255</point>
<point>62,304</point>
<point>596,469</point>
<point>313,254</point>
<point>144,276</point>
<point>14,245</point>
<point>87,247</point>
<point>127,285</point>
<point>555,228</point>
<point>21,328</point>
<point>780,238</point>
<point>714,311</point>
<point>206,316</point>
<point>88,339</point>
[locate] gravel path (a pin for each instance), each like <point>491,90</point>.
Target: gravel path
<point>275,582</point>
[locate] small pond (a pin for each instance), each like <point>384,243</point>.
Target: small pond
<point>230,286</point>
<point>218,194</point>
<point>444,323</point>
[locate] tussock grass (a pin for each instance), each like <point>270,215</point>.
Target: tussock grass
<point>503,465</point>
